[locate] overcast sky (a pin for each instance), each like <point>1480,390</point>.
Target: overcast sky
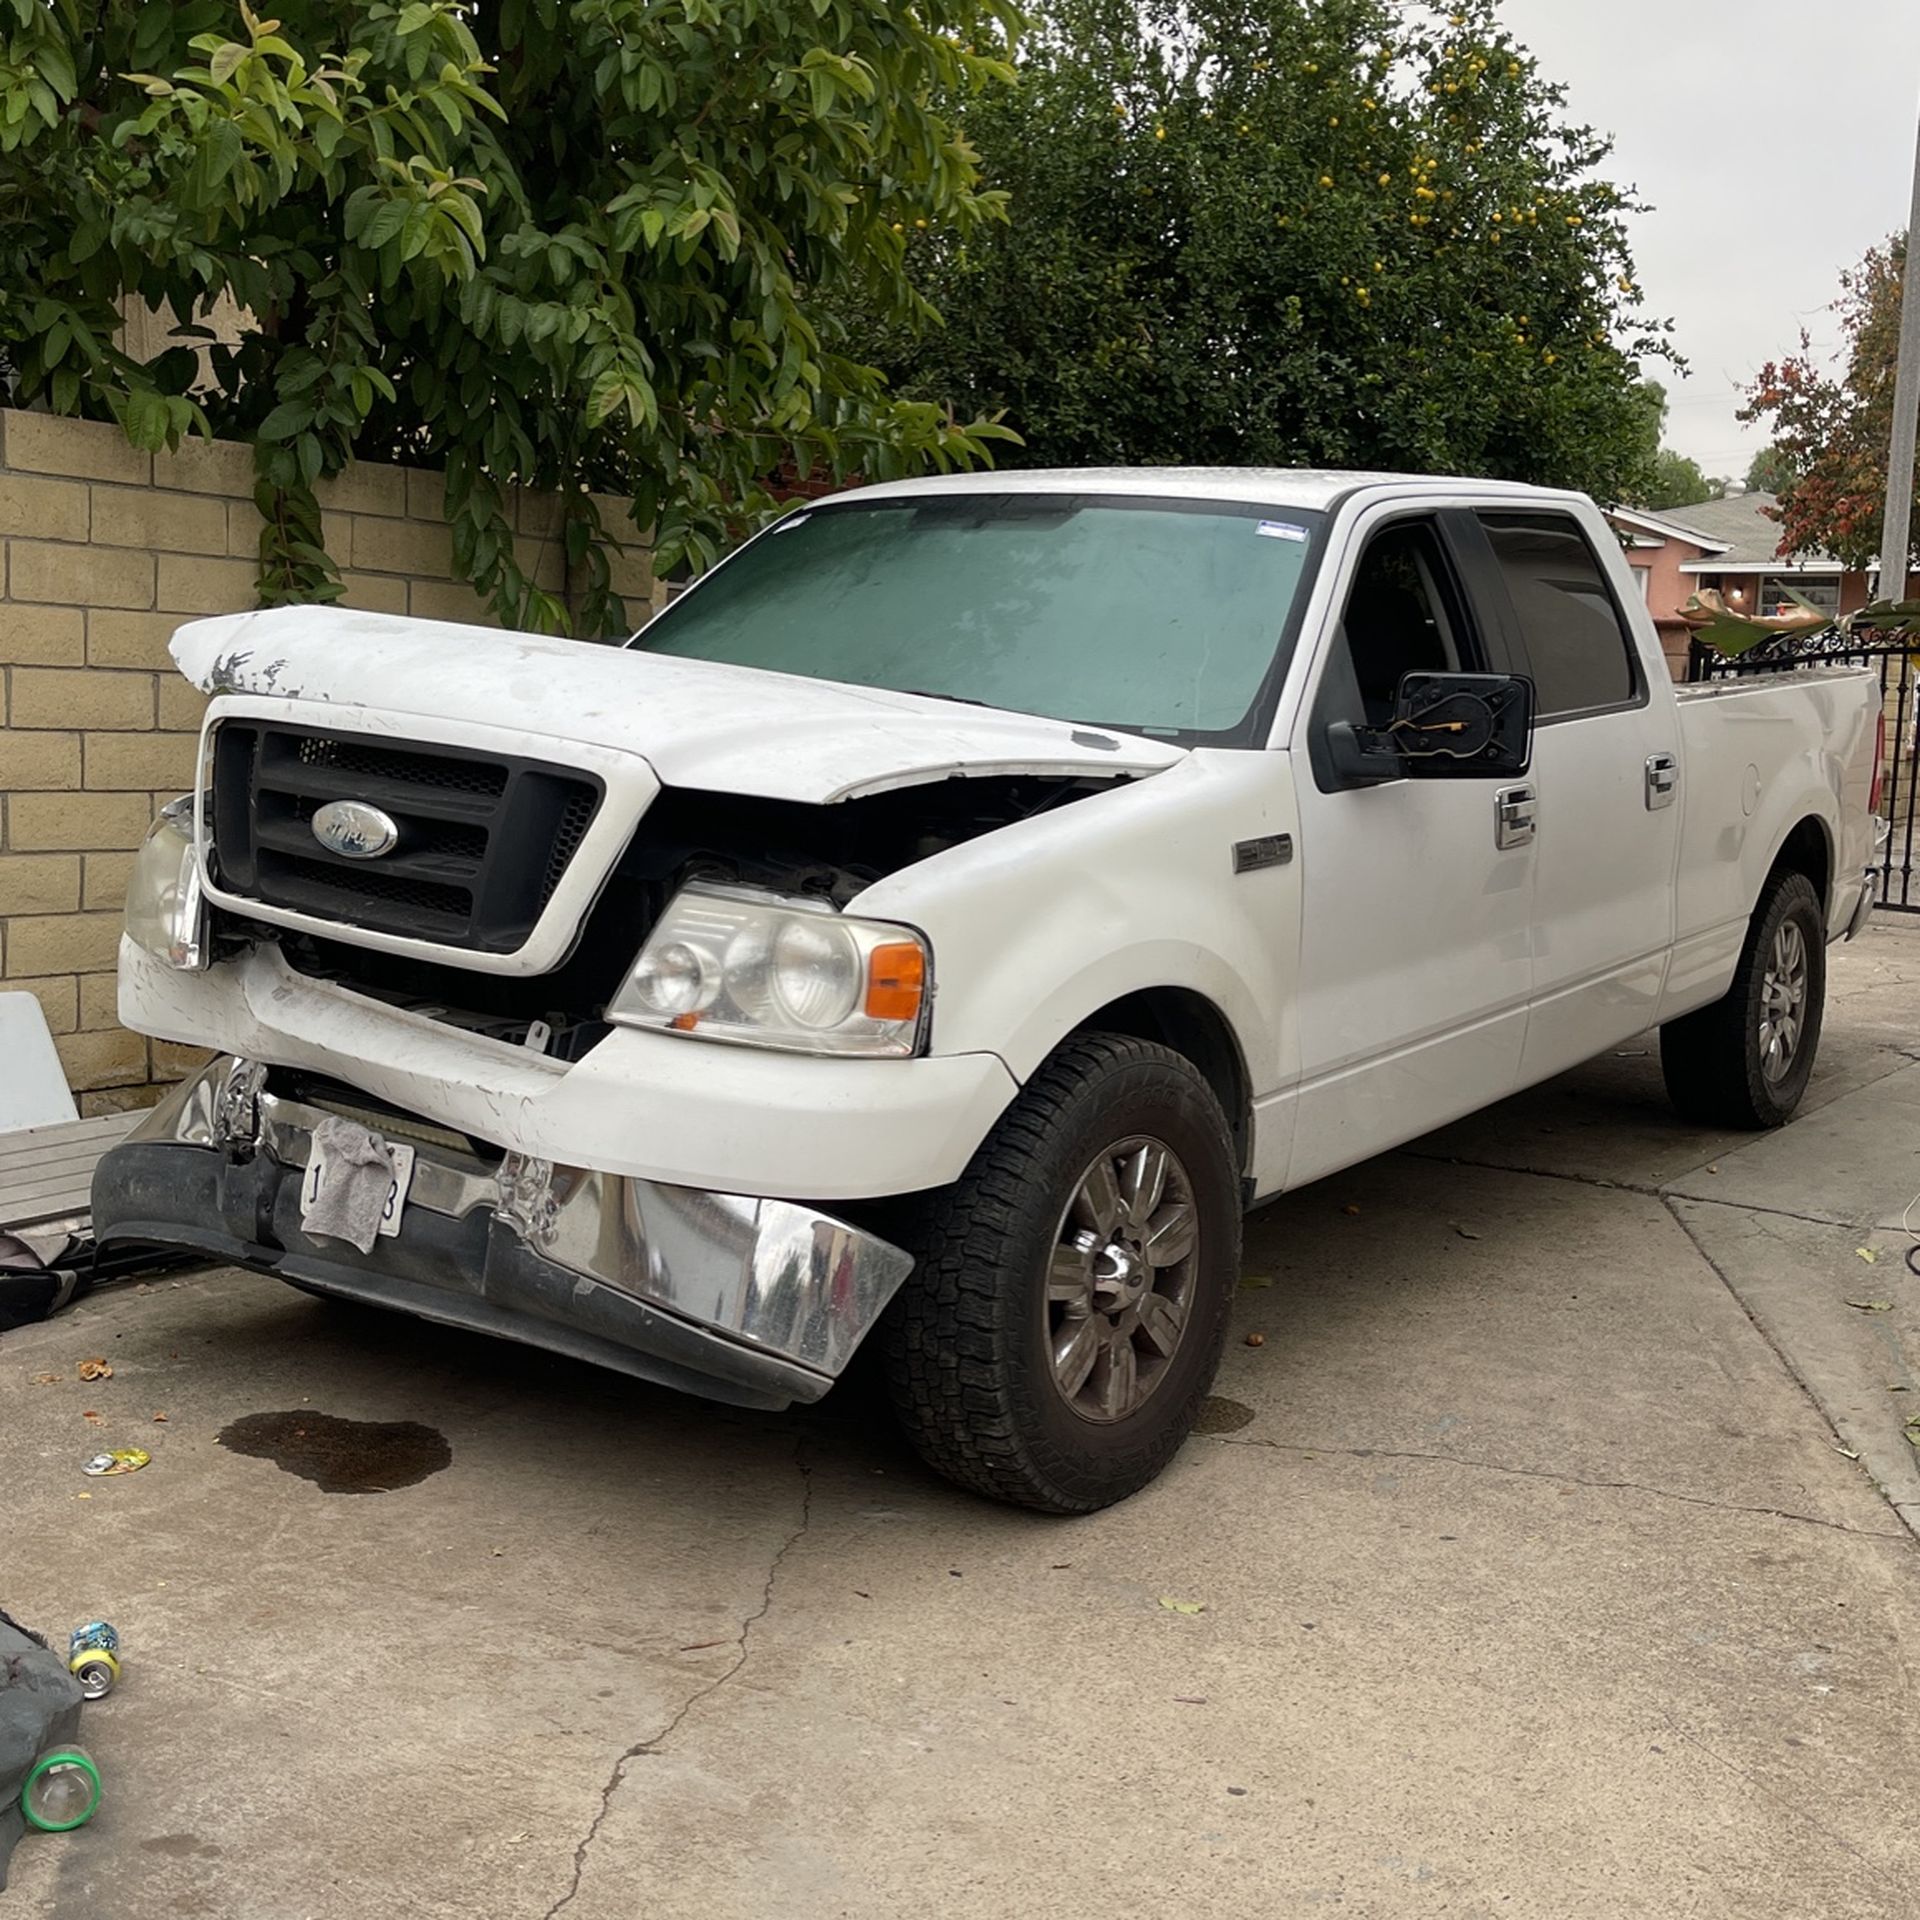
<point>1775,140</point>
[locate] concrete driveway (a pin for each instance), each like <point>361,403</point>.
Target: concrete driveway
<point>1526,1570</point>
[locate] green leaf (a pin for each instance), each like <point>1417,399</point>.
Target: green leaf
<point>287,419</point>
<point>221,67</point>
<point>55,66</point>
<point>388,219</point>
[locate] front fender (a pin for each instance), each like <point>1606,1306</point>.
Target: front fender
<point>1039,925</point>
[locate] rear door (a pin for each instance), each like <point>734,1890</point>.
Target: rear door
<point>1606,770</point>
<point>1417,900</point>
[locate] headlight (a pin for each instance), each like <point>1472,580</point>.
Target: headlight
<point>731,964</point>
<point>165,913</point>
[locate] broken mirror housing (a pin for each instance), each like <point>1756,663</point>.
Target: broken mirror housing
<point>166,912</point>
<point>768,970</point>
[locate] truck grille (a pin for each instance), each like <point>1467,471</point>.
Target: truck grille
<point>484,838</point>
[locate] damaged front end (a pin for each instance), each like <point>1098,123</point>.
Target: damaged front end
<point>580,929</point>
<point>755,1302</point>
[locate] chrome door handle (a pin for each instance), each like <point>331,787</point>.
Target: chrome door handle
<point>1513,816</point>
<point>1663,780</point>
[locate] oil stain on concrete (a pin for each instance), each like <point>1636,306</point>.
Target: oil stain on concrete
<point>341,1456</point>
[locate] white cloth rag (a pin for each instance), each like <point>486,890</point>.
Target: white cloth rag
<point>356,1176</point>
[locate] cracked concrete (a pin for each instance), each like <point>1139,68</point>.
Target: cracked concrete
<point>1533,1581</point>
<point>655,1741</point>
<point>1563,1479</point>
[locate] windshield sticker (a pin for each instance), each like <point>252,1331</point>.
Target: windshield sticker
<point>1282,530</point>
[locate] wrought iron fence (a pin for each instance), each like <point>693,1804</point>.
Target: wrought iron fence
<point>1892,657</point>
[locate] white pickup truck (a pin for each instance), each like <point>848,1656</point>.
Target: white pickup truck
<point>946,919</point>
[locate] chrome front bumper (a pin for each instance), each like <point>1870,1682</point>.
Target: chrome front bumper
<point>758,1302</point>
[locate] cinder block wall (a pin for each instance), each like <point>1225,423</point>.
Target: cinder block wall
<point>103,552</point>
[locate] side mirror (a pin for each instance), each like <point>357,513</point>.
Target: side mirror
<point>1450,726</point>
<point>1464,725</point>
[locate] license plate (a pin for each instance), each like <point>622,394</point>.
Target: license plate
<point>319,1167</point>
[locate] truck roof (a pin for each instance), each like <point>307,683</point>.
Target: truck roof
<point>1261,486</point>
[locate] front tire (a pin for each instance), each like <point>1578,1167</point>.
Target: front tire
<point>1745,1061</point>
<point>1071,1290</point>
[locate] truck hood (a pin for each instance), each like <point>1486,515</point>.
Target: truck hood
<point>728,729</point>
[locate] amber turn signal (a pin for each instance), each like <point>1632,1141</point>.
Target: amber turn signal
<point>896,980</point>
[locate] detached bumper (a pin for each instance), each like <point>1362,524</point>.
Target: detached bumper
<point>758,1303</point>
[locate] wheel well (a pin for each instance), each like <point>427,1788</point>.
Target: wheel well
<point>1805,850</point>
<point>1191,1025</point>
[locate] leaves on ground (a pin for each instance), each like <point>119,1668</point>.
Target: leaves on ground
<point>1872,1306</point>
<point>95,1369</point>
<point>1183,1606</point>
<point>1867,1254</point>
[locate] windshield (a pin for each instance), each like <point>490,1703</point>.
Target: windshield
<point>1157,616</point>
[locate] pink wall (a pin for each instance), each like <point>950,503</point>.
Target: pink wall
<point>1667,591</point>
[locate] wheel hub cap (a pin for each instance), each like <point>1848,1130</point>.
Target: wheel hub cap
<point>1120,1281</point>
<point>1783,1002</point>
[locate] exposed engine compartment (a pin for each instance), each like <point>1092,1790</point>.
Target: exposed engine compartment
<point>832,852</point>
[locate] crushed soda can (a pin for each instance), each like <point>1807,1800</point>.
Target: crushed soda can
<point>93,1657</point>
<point>120,1460</point>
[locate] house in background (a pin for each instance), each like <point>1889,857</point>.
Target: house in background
<point>1659,547</point>
<point>1732,546</point>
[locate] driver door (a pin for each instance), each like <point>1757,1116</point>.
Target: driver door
<point>1417,893</point>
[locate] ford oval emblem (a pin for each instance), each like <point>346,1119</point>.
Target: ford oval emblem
<point>354,830</point>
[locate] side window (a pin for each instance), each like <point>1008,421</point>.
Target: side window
<point>1578,646</point>
<point>1402,616</point>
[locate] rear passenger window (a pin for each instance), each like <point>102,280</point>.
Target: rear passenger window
<point>1578,647</point>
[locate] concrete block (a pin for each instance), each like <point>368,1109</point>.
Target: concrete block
<point>426,494</point>
<point>182,705</point>
<point>46,509</point>
<point>133,1099</point>
<point>83,449</point>
<point>81,697</point>
<point>141,763</point>
<point>172,1061</point>
<point>366,487</point>
<point>119,638</point>
<point>103,885</point>
<point>42,636</point>
<point>79,576</point>
<point>168,522</point>
<point>411,547</point>
<point>39,762</point>
<point>39,883</point>
<point>374,593</point>
<point>99,995</point>
<point>207,466</point>
<point>62,943</point>
<point>244,521</point>
<point>112,1057</point>
<point>76,823</point>
<point>538,514</point>
<point>196,585</point>
<point>449,600</point>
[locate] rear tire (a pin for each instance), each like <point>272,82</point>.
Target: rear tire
<point>1071,1290</point>
<point>1744,1062</point>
